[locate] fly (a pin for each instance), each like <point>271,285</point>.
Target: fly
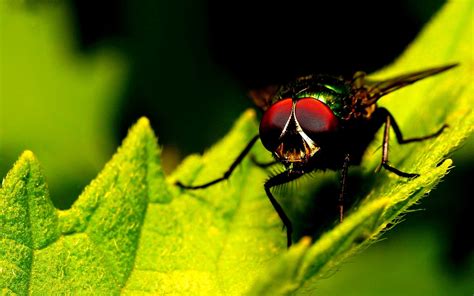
<point>320,122</point>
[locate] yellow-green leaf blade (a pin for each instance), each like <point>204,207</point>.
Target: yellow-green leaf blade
<point>92,249</point>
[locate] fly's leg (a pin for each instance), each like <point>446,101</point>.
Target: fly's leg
<point>390,122</point>
<point>386,135</point>
<point>399,135</point>
<point>227,174</point>
<point>345,167</point>
<point>262,165</point>
<point>276,180</point>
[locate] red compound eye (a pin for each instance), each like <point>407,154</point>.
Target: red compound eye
<point>273,122</point>
<point>315,117</point>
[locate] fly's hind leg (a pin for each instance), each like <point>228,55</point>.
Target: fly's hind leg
<point>399,135</point>
<point>391,123</point>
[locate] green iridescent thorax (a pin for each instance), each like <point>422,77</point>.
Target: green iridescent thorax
<point>332,91</point>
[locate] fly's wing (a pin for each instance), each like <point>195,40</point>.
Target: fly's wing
<point>377,89</point>
<point>263,97</point>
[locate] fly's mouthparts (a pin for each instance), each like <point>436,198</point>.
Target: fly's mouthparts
<point>288,153</point>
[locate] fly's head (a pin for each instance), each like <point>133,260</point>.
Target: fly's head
<point>292,129</point>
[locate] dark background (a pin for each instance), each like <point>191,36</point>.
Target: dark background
<point>207,54</point>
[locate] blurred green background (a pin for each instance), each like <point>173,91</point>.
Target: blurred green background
<point>75,75</point>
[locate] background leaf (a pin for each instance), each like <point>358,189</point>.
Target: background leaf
<point>53,100</point>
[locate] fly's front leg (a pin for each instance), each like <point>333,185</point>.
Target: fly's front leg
<point>276,180</point>
<point>227,174</point>
<point>262,165</point>
<point>391,123</point>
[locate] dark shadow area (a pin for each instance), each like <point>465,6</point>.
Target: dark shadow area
<point>448,208</point>
<point>321,212</point>
<point>260,45</point>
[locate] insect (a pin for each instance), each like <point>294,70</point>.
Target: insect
<point>320,122</point>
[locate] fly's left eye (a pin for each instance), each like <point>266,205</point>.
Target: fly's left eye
<point>315,117</point>
<point>273,122</point>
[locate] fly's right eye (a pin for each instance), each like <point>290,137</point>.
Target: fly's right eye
<point>273,122</point>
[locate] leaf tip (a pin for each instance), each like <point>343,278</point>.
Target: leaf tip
<point>142,126</point>
<point>446,163</point>
<point>28,156</point>
<point>29,160</point>
<point>25,162</point>
<point>305,241</point>
<point>250,113</point>
<point>143,122</point>
<point>140,131</point>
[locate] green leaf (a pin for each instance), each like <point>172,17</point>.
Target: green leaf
<point>90,247</point>
<point>53,100</point>
<point>213,241</point>
<point>132,232</point>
